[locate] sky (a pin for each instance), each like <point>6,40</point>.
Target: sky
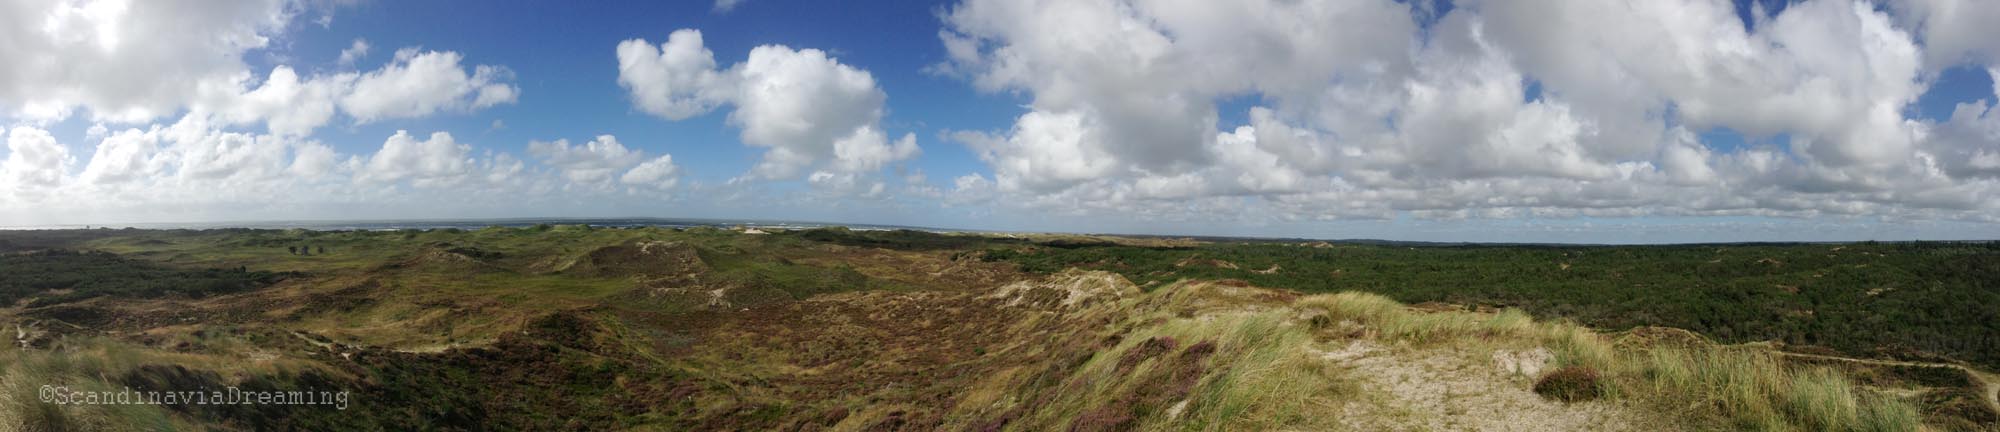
<point>1604,121</point>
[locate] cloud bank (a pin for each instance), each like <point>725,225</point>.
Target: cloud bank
<point>1153,112</point>
<point>1494,109</point>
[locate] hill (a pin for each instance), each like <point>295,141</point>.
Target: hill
<point>578,328</point>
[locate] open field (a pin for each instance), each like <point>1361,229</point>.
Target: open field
<point>579,328</point>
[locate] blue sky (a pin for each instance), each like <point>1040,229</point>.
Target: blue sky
<point>568,77</point>
<point>1626,122</point>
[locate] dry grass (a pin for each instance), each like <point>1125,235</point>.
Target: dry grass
<point>83,368</point>
<point>1242,369</point>
<point>1266,374</point>
<point>1746,388</point>
<point>97,363</point>
<point>1267,377</point>
<point>1720,386</point>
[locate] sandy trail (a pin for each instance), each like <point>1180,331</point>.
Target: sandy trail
<point>1448,388</point>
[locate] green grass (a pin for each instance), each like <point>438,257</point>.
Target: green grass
<point>1228,370</point>
<point>1754,390</point>
<point>1268,377</point>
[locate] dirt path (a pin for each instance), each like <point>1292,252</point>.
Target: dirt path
<point>1990,381</point>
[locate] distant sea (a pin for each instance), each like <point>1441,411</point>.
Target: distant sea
<point>473,224</point>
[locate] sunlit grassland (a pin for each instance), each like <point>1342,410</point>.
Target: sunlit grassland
<point>1268,370</point>
<point>1713,386</point>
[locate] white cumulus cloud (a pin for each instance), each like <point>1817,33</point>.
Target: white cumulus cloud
<point>421,83</point>
<point>1494,109</point>
<point>35,163</point>
<point>807,108</point>
<point>122,60</point>
<point>594,163</point>
<point>437,161</point>
<point>659,173</point>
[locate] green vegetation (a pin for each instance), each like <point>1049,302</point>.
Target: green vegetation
<point>60,276</point>
<point>566,327</point>
<point>795,281</point>
<point>1908,300</point>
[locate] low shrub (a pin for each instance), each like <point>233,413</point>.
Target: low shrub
<point>1569,384</point>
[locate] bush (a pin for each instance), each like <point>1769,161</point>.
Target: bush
<point>1569,384</point>
<point>42,276</point>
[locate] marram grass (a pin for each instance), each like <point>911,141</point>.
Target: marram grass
<point>1723,387</point>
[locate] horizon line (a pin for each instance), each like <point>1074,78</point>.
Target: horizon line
<point>755,222</point>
